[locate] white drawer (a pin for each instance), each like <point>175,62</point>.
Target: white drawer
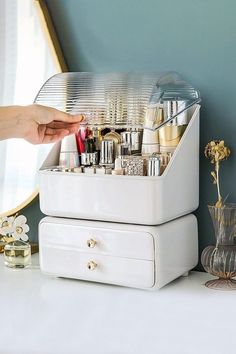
<point>139,256</point>
<point>69,234</point>
<point>108,269</point>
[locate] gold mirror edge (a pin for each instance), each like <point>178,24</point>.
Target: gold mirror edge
<point>49,30</point>
<point>21,205</point>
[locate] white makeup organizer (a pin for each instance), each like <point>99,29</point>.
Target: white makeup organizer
<point>135,231</point>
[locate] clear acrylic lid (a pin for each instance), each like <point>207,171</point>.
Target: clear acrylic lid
<point>120,100</point>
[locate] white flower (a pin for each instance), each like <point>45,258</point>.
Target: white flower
<point>6,225</point>
<point>20,228</point>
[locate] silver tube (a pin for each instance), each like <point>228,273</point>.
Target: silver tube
<point>154,166</point>
<point>171,108</point>
<point>88,159</point>
<point>85,159</point>
<point>107,152</point>
<point>136,141</point>
<point>126,137</point>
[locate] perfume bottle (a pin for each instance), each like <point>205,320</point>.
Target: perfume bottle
<point>17,254</point>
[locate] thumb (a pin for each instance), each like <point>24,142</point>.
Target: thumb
<point>45,115</point>
<point>67,117</point>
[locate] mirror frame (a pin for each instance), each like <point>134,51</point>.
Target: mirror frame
<point>55,48</point>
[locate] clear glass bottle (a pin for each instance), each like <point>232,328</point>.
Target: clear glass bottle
<point>17,254</point>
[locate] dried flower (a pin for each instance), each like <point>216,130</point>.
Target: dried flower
<point>216,151</point>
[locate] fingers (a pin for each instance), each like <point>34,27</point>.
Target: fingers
<point>62,125</point>
<point>53,131</point>
<point>46,115</point>
<point>50,131</point>
<point>67,118</point>
<point>55,137</point>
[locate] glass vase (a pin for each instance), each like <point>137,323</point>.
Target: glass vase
<point>220,260</point>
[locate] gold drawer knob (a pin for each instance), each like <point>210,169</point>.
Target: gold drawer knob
<point>91,265</point>
<point>91,243</point>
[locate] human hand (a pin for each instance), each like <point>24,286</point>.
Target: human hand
<point>37,124</point>
<point>42,125</point>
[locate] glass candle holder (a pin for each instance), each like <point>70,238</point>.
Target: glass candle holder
<point>17,254</point>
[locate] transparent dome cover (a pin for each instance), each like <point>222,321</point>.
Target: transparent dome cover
<point>119,100</point>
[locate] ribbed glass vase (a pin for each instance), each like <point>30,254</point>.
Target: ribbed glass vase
<point>220,260</point>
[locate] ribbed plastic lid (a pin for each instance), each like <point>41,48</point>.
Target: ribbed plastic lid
<point>117,100</point>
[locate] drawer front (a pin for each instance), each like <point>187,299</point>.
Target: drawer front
<point>96,240</point>
<point>96,267</point>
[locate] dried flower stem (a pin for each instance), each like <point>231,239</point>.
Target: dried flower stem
<point>219,201</point>
<point>216,151</point>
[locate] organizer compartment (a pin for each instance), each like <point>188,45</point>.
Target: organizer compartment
<point>128,199</point>
<point>129,255</point>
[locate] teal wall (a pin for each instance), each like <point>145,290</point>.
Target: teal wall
<point>194,38</point>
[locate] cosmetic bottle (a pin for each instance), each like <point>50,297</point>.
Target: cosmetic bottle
<point>154,166</point>
<point>116,138</point>
<point>69,156</point>
<point>89,158</point>
<point>118,170</point>
<point>17,254</point>
<point>89,145</point>
<point>136,141</point>
<point>131,140</point>
<point>97,137</point>
<point>107,152</point>
<point>172,132</point>
<point>150,141</point>
<point>80,138</point>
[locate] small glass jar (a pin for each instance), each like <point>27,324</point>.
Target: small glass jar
<point>17,254</point>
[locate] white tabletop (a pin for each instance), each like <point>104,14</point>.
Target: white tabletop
<point>41,314</point>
